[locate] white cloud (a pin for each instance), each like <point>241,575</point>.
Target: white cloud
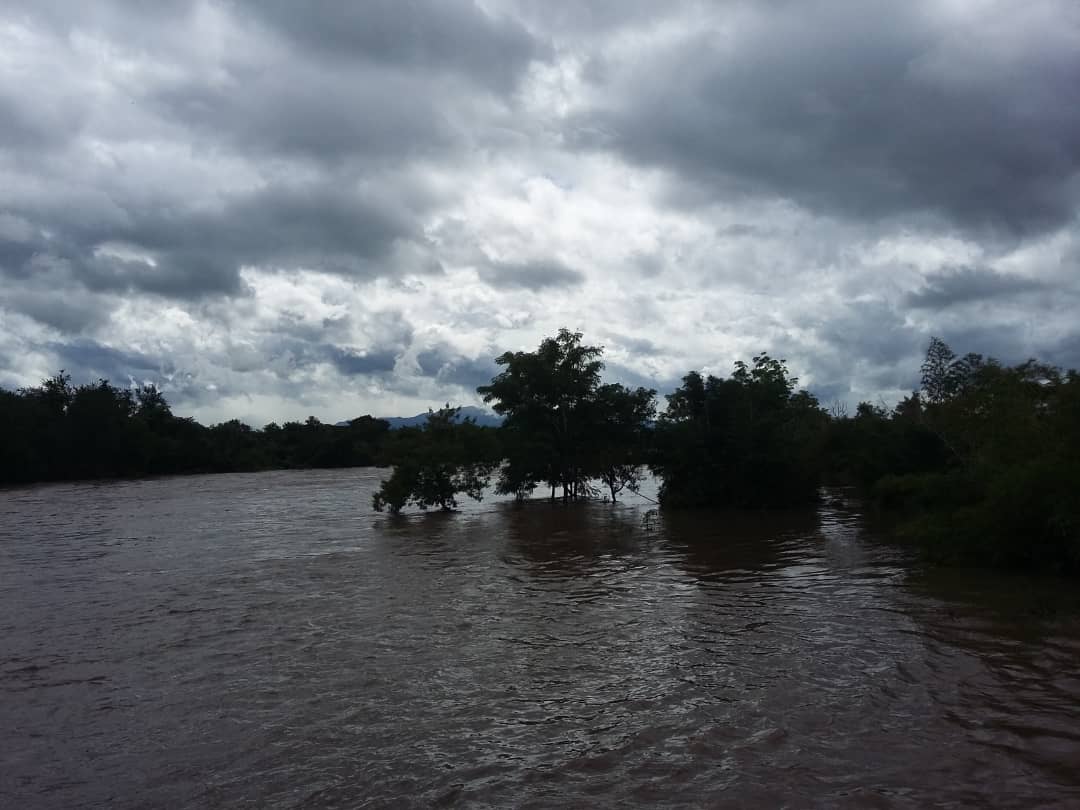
<point>274,216</point>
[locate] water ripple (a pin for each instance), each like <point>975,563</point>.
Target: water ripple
<point>264,640</point>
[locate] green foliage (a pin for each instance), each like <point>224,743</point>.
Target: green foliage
<point>1007,489</point>
<point>59,431</point>
<point>750,440</point>
<point>939,372</point>
<point>984,460</point>
<point>563,428</point>
<point>620,435</point>
<point>436,462</point>
<point>874,443</point>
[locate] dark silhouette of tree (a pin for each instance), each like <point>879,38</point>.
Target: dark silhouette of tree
<point>984,460</point>
<point>938,378</point>
<point>59,431</point>
<point>1007,492</point>
<point>749,440</point>
<point>618,441</point>
<point>102,437</point>
<point>874,443</point>
<point>562,428</point>
<point>437,462</point>
<point>546,398</point>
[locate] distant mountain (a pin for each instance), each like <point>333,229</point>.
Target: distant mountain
<point>478,415</point>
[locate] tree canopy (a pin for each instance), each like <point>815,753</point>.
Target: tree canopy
<point>748,440</point>
<point>562,427</point>
<point>436,462</point>
<point>983,460</point>
<point>1008,489</point>
<point>60,431</point>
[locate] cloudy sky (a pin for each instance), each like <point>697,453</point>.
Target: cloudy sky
<point>275,209</point>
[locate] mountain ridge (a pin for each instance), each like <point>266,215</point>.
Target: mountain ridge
<point>478,415</point>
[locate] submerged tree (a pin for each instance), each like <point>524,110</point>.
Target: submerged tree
<point>619,438</point>
<point>562,427</point>
<point>546,398</point>
<point>748,440</point>
<point>437,462</point>
<point>860,450</point>
<point>1006,493</point>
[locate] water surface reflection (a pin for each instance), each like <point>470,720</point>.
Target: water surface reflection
<point>266,639</point>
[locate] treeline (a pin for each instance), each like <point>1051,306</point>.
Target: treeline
<point>751,440</point>
<point>983,462</point>
<point>59,431</point>
<point>562,429</point>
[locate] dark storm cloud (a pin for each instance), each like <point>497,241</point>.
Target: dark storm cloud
<point>398,77</point>
<point>1009,342</point>
<point>285,226</point>
<point>296,348</point>
<point>127,15</point>
<point>66,314</point>
<point>351,363</point>
<point>962,285</point>
<point>284,355</point>
<point>193,251</point>
<point>88,360</point>
<point>16,254</point>
<point>316,113</point>
<point>157,149</point>
<point>431,361</point>
<point>363,82</point>
<point>534,275</point>
<point>37,124</point>
<point>865,110</point>
<point>872,332</point>
<point>573,18</point>
<point>1065,353</point>
<point>456,36</point>
<point>860,347</point>
<point>295,325</point>
<point>636,346</point>
<point>449,367</point>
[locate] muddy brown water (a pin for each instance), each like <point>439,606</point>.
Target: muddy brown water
<point>268,641</point>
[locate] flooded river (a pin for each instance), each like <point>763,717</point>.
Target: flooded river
<point>268,641</point>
